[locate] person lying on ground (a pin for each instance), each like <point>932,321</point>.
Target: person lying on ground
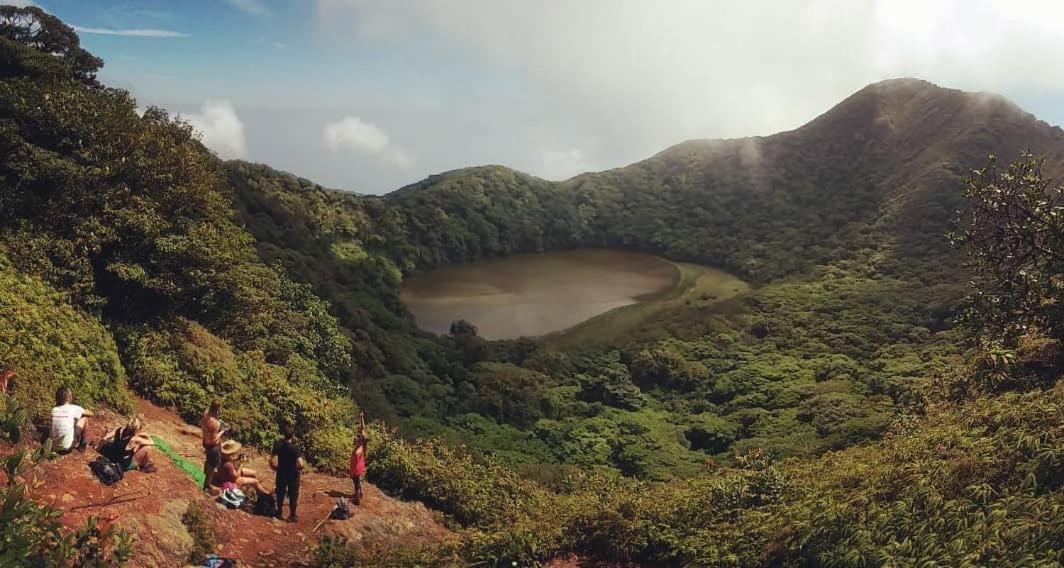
<point>232,472</point>
<point>69,423</point>
<point>213,429</point>
<point>129,447</point>
<point>287,460</point>
<point>357,466</point>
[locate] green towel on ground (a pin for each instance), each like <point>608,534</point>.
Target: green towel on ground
<point>194,471</point>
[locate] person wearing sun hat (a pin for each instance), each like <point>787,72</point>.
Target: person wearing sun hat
<point>232,473</point>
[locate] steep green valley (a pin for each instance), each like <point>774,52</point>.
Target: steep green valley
<point>855,293</point>
<point>830,383</point>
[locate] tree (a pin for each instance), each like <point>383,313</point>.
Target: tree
<point>48,35</point>
<point>664,366</point>
<point>609,382</point>
<point>468,345</point>
<point>509,393</point>
<point>1013,232</point>
<point>463,328</point>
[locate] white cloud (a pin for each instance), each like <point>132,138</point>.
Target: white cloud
<point>221,129</point>
<point>130,32</point>
<point>253,7</point>
<point>20,3</point>
<point>642,75</point>
<point>562,164</point>
<point>351,134</point>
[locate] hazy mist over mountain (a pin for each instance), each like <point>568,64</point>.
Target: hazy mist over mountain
<point>550,88</point>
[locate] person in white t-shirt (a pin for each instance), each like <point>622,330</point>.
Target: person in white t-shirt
<point>69,423</point>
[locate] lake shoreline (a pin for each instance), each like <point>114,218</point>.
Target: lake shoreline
<point>547,294</point>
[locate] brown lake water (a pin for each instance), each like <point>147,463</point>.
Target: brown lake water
<point>535,294</point>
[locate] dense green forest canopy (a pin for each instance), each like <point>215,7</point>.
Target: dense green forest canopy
<point>132,259</point>
<point>840,224</point>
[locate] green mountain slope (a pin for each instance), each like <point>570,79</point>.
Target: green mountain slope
<point>841,223</point>
<point>124,222</point>
<point>890,156</point>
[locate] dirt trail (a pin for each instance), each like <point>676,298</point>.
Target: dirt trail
<point>150,505</point>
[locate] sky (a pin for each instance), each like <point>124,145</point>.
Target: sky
<point>371,96</point>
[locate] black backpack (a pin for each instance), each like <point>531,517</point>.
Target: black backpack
<point>266,505</point>
<point>106,471</point>
<point>340,511</point>
<point>215,561</point>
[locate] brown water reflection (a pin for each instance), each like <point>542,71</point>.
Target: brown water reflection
<point>535,294</point>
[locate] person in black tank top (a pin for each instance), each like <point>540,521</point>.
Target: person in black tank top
<point>129,447</point>
<point>116,449</point>
<point>287,460</point>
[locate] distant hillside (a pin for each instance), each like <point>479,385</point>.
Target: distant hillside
<point>801,423</point>
<point>887,158</point>
<point>840,222</point>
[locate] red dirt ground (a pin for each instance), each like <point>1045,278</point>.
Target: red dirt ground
<point>151,505</point>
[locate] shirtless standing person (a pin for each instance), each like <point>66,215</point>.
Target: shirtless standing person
<point>213,430</point>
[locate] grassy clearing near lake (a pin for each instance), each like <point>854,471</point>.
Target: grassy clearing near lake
<point>698,287</point>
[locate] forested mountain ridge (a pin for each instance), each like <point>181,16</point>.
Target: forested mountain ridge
<point>908,141</point>
<point>895,149</point>
<point>888,157</point>
<point>763,206</point>
<point>847,339</point>
<point>842,222</point>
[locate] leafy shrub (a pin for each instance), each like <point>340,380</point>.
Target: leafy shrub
<point>710,433</point>
<point>185,366</point>
<point>337,552</point>
<point>12,419</point>
<point>50,344</point>
<point>665,366</point>
<point>509,392</point>
<point>201,528</point>
<point>1012,228</point>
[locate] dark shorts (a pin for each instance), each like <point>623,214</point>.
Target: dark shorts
<point>214,456</point>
